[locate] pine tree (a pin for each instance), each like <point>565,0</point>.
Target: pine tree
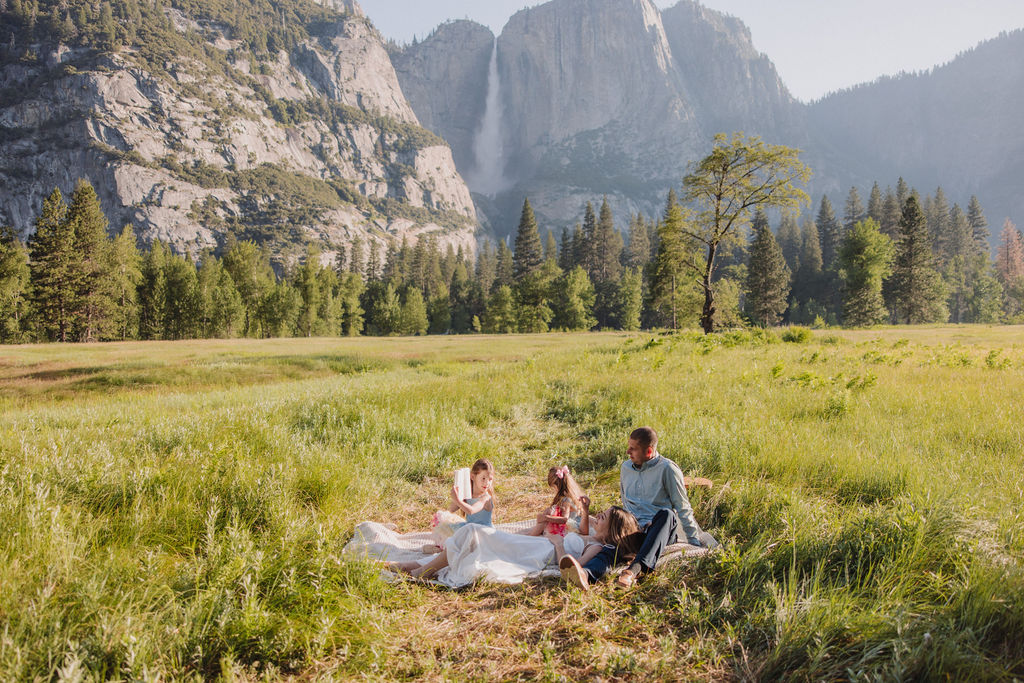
<point>307,284</point>
<point>790,241</point>
<point>328,313</point>
<point>565,252</point>
<point>959,249</point>
<point>607,248</point>
<point>486,269</point>
<point>528,257</point>
<point>373,265</point>
<point>14,287</point>
<point>865,259</point>
<point>182,310</point>
<point>939,228</point>
<point>412,316</point>
<point>638,253</point>
<point>279,308</point>
<point>891,213</point>
<point>768,277</point>
<point>356,264</point>
<point>461,299</point>
<point>221,309</point>
<point>808,281</point>
<point>903,193</point>
<point>439,315</point>
<point>979,224</point>
<point>126,276</point>
<point>383,308</point>
<point>505,269</point>
<point>94,296</point>
<point>1010,269</point>
<point>916,293</point>
<point>579,246</point>
<point>250,270</point>
<point>585,243</point>
<point>573,301</point>
<point>829,232</point>
<point>532,295</point>
<point>853,212</point>
<point>876,204</point>
<point>670,293</point>
<point>500,316</point>
<point>629,300</point>
<point>153,292</point>
<point>54,268</point>
<point>350,290</point>
<point>550,247</point>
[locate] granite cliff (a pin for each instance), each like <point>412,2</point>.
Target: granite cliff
<point>614,97</point>
<point>607,97</point>
<point>193,135</point>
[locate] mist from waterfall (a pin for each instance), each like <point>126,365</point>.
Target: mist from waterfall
<point>488,177</point>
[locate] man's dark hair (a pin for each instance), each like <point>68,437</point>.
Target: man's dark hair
<point>645,436</point>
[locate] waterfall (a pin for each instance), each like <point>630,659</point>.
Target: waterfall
<point>488,175</point>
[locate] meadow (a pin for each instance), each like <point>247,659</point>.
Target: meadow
<point>177,510</point>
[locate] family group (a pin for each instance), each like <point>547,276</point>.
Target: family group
<point>655,513</point>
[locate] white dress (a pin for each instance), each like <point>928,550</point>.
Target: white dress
<point>483,552</point>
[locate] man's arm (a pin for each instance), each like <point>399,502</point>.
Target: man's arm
<point>675,488</point>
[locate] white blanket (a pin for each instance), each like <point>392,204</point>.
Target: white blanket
<point>499,554</point>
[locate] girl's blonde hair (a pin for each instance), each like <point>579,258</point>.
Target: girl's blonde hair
<point>561,479</point>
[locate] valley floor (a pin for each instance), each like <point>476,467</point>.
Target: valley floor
<point>178,510</point>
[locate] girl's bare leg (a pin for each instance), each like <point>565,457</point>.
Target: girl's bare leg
<point>406,567</point>
<point>537,530</point>
<point>431,568</point>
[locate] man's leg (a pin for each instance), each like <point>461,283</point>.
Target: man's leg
<point>663,532</point>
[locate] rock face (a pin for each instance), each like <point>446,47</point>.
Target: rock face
<point>614,98</point>
<point>318,145</point>
<point>734,86</point>
<point>445,79</point>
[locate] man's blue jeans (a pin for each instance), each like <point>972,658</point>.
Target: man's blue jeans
<point>661,532</point>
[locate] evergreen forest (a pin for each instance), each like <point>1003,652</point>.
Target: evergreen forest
<point>897,258</point>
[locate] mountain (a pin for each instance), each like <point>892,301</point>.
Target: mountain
<point>957,125</point>
<point>282,122</point>
<point>615,98</point>
<point>605,97</point>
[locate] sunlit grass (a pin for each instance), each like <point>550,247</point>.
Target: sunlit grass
<point>179,509</point>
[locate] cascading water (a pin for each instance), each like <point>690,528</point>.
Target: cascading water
<point>488,176</point>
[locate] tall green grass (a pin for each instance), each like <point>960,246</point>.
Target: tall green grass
<point>178,511</point>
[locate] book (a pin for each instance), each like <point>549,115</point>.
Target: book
<point>463,484</point>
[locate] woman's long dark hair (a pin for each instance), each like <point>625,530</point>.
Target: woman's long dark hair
<point>623,533</point>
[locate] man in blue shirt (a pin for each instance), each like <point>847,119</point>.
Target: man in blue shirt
<point>652,489</point>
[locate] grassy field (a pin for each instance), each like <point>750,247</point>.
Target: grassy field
<point>177,511</point>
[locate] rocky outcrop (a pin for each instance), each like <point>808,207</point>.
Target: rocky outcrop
<point>444,77</point>
<point>734,87</point>
<point>318,145</point>
<point>602,98</point>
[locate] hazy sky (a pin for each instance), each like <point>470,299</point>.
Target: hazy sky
<point>817,45</point>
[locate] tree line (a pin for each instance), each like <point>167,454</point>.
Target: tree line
<point>710,260</point>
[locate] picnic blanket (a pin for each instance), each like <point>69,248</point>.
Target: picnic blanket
<point>497,554</point>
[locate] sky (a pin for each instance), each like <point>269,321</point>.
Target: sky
<point>818,46</point>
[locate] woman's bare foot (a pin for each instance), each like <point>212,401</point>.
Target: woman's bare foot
<point>407,567</point>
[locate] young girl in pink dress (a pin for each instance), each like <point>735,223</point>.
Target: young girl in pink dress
<point>569,511</point>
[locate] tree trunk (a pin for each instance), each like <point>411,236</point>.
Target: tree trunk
<point>707,316</point>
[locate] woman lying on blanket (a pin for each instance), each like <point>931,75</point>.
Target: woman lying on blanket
<point>476,551</point>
